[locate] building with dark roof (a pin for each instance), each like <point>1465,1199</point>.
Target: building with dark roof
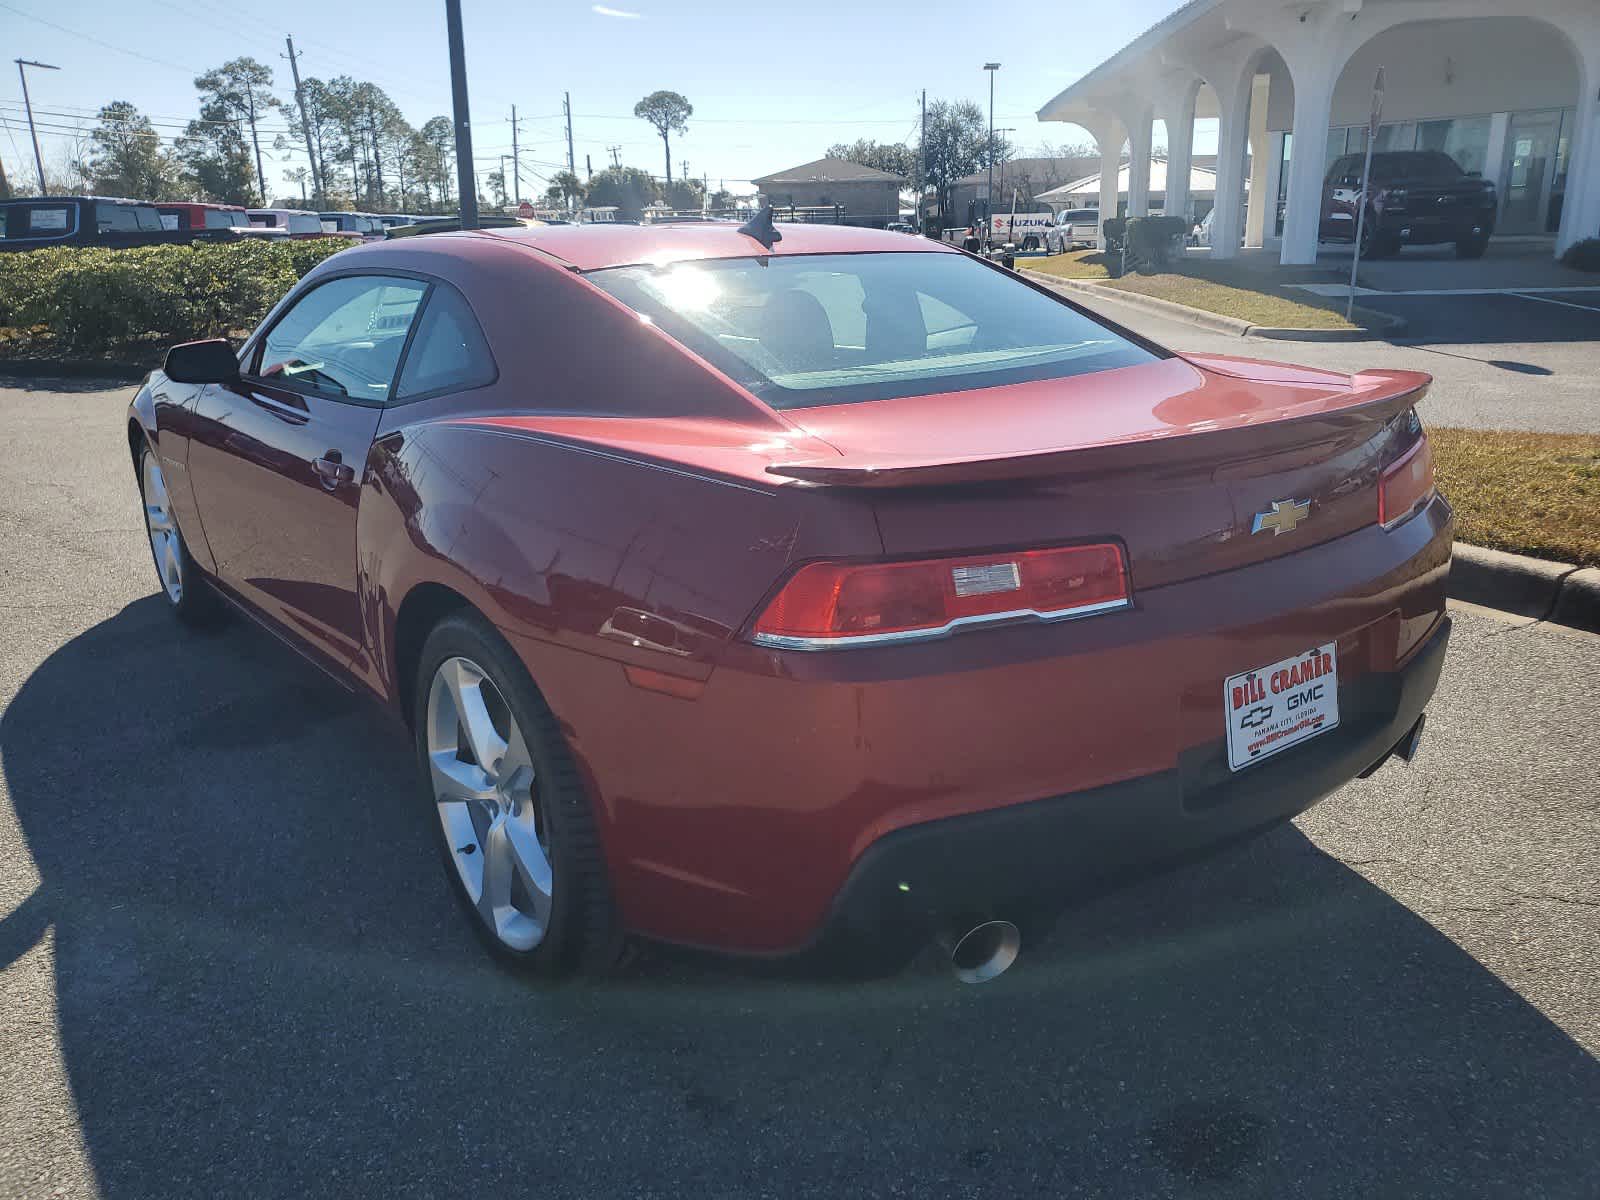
<point>861,195</point>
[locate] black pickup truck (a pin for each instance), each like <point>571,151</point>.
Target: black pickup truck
<point>42,221</point>
<point>1415,197</point>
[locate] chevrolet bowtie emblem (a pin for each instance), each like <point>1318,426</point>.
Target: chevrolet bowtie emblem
<point>1282,517</point>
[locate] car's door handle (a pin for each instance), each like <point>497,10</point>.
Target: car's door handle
<point>331,471</point>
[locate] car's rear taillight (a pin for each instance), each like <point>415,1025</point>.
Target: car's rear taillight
<point>832,604</point>
<point>1406,484</point>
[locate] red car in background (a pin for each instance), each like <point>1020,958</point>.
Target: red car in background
<point>832,588</point>
<point>217,221</point>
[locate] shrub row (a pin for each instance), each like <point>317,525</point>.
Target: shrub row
<point>90,300</point>
<point>1584,255</point>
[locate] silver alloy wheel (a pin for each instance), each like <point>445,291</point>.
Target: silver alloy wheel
<point>162,528</point>
<point>483,781</point>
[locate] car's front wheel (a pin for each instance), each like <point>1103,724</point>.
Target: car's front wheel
<point>188,595</point>
<point>516,830</point>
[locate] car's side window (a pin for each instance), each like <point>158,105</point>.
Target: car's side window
<point>449,352</point>
<point>343,338</point>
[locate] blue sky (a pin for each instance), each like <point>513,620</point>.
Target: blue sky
<point>770,88</point>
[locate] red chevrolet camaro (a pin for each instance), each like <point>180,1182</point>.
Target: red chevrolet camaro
<point>774,589</point>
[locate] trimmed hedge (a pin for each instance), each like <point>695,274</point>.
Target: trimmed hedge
<point>88,300</point>
<point>1584,255</point>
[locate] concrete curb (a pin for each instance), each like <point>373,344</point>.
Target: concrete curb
<point>1530,587</point>
<point>73,368</point>
<point>1218,323</point>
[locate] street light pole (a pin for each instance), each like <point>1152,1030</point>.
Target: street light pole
<point>988,202</point>
<point>38,159</point>
<point>466,183</point>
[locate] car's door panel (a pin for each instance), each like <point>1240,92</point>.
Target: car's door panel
<point>173,407</point>
<point>277,463</point>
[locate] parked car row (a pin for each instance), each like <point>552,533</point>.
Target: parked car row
<point>116,223</point>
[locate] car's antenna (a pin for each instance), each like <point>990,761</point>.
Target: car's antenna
<point>761,227</point>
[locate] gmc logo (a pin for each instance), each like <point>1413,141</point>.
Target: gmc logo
<point>1304,696</point>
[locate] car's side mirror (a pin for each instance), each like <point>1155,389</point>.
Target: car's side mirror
<point>210,361</point>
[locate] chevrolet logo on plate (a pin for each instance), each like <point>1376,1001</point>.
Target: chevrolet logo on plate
<point>1282,517</point>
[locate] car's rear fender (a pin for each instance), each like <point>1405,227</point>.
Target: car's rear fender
<point>565,550</point>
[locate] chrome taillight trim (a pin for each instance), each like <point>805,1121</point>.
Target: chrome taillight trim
<point>776,641</point>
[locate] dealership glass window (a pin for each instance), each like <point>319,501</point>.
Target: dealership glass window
<point>1558,182</point>
<point>1402,135</point>
<point>1286,153</point>
<point>1465,139</point>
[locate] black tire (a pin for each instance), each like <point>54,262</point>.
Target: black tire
<point>1472,247</point>
<point>1030,242</point>
<point>582,933</point>
<point>196,604</point>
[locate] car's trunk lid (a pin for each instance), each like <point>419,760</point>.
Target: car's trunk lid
<point>1174,458</point>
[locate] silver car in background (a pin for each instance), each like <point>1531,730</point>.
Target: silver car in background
<point>1074,227</point>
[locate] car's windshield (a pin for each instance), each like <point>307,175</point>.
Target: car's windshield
<point>842,328</point>
<point>304,224</point>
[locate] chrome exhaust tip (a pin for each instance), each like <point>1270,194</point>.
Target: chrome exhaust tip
<point>984,951</point>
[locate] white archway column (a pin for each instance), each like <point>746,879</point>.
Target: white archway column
<point>1315,50</point>
<point>1109,136</point>
<point>1233,104</point>
<point>1178,116</point>
<point>1139,147</point>
<point>1260,203</point>
<point>1580,210</point>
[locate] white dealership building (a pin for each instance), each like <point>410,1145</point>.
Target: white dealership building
<point>1509,88</point>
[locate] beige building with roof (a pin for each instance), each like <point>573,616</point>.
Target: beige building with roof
<point>862,195</point>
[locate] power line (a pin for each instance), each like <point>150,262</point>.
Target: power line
<point>160,62</point>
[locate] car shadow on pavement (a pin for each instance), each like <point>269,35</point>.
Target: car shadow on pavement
<point>263,986</point>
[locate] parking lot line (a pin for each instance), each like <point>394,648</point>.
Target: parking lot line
<point>1563,303</point>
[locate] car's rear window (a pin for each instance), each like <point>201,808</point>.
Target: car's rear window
<point>226,219</point>
<point>35,220</point>
<point>305,224</point>
<point>824,329</point>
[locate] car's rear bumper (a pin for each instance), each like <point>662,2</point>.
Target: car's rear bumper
<point>753,811</point>
<point>916,880</point>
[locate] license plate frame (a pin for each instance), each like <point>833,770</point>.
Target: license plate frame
<point>1283,704</point>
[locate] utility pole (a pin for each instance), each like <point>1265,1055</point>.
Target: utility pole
<point>261,175</point>
<point>1002,132</point>
<point>516,162</point>
<point>572,166</point>
<point>305,122</point>
<point>38,159</point>
<point>616,155</point>
<point>922,155</point>
<point>465,182</point>
<point>988,203</point>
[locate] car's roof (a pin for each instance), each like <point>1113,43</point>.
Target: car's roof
<point>592,247</point>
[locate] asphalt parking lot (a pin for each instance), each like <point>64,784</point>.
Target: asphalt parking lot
<point>1498,361</point>
<point>229,964</point>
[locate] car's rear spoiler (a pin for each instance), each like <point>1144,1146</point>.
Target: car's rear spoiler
<point>1181,448</point>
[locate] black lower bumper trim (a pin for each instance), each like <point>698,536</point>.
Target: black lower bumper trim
<point>1010,860</point>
